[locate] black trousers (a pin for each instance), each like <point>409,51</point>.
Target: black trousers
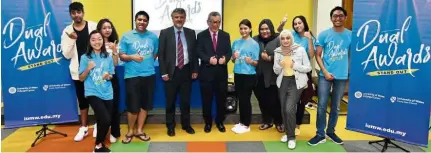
<point>306,96</point>
<point>103,111</point>
<point>269,102</point>
<point>244,85</point>
<point>115,119</point>
<point>219,87</point>
<point>80,94</point>
<point>180,83</point>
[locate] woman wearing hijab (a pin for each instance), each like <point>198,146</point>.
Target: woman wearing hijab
<point>266,89</point>
<point>291,64</point>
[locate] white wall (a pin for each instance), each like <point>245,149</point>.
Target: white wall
<point>322,20</point>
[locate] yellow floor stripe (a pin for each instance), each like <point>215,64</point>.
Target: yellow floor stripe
<point>158,133</point>
<point>21,139</point>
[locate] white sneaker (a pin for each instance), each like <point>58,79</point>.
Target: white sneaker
<point>83,131</point>
<point>297,131</point>
<point>284,138</point>
<point>241,129</point>
<point>291,144</point>
<point>112,139</point>
<point>235,126</point>
<point>95,130</point>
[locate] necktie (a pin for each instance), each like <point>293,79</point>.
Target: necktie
<point>214,41</point>
<point>180,52</point>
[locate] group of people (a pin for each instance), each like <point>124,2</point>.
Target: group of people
<point>275,66</point>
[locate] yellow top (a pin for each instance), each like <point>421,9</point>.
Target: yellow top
<point>288,71</point>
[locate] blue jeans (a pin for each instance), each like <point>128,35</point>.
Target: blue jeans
<point>323,92</point>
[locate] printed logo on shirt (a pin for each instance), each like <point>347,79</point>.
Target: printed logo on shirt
<point>335,52</point>
<point>144,50</point>
<point>243,56</point>
<point>97,75</point>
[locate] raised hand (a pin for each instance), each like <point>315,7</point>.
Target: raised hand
<point>72,35</point>
<point>91,65</point>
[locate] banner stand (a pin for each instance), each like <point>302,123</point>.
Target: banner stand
<point>385,145</point>
<point>42,133</point>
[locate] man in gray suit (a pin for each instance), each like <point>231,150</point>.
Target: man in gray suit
<point>178,66</point>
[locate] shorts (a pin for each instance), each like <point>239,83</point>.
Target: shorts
<point>139,91</point>
<point>80,94</point>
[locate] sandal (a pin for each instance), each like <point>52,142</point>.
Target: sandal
<point>144,138</point>
<point>280,128</point>
<point>265,126</point>
<point>128,137</point>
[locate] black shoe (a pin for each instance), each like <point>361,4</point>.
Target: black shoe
<point>221,127</point>
<point>189,130</point>
<point>171,132</point>
<point>103,149</point>
<point>207,128</point>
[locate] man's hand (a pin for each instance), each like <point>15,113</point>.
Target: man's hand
<point>72,35</point>
<point>222,60</point>
<point>329,76</point>
<point>165,77</point>
<point>194,75</point>
<point>137,58</point>
<point>213,60</point>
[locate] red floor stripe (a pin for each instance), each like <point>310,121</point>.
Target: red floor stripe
<point>206,147</point>
<point>58,143</point>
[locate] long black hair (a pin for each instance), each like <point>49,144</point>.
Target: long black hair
<point>114,36</point>
<point>104,53</point>
<point>304,21</point>
<point>274,35</point>
<point>247,23</point>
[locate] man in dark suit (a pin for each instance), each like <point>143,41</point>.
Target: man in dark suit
<point>178,66</point>
<point>214,50</point>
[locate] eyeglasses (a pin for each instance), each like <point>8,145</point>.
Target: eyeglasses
<point>338,16</point>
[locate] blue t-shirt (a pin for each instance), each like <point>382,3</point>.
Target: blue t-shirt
<point>246,48</point>
<point>303,41</point>
<point>144,44</point>
<point>336,48</point>
<point>94,84</point>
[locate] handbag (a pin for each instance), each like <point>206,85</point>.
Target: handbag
<point>231,99</point>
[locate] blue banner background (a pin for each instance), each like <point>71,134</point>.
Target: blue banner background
<point>386,100</point>
<point>37,88</point>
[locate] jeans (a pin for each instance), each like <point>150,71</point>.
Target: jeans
<point>324,88</point>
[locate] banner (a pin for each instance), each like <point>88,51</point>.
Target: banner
<point>36,83</point>
<point>389,91</point>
